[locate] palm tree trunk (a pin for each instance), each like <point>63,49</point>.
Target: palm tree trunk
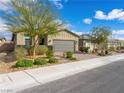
<point>35,44</point>
<point>34,51</point>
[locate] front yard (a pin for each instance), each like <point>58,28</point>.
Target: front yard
<point>6,62</point>
<point>9,64</point>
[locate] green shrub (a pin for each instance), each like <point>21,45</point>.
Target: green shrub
<point>40,61</point>
<point>101,53</point>
<point>107,52</point>
<point>53,60</point>
<point>118,48</point>
<point>20,53</point>
<point>69,54</point>
<point>73,58</point>
<point>41,50</point>
<point>84,49</point>
<point>24,63</point>
<point>81,49</point>
<point>49,54</point>
<point>64,54</point>
<point>112,49</point>
<point>122,47</point>
<point>30,50</point>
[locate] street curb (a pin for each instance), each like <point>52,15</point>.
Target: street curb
<point>17,81</point>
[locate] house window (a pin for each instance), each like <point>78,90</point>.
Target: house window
<point>28,40</point>
<point>42,41</point>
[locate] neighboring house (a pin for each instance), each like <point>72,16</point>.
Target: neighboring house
<point>85,41</point>
<point>2,39</point>
<point>61,42</point>
<point>6,46</point>
<point>116,43</point>
<point>122,43</point>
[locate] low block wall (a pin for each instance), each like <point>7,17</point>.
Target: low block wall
<point>6,47</point>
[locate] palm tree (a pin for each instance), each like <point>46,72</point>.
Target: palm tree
<point>36,18</point>
<point>100,36</point>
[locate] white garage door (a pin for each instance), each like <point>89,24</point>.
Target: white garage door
<point>63,45</point>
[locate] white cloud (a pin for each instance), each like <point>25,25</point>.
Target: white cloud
<point>4,4</point>
<point>118,34</point>
<point>58,3</point>
<point>3,30</point>
<point>64,25</point>
<point>68,26</point>
<point>76,32</point>
<point>2,25</point>
<point>118,37</point>
<point>58,21</point>
<point>117,14</point>
<point>87,21</point>
<point>80,32</point>
<point>100,15</point>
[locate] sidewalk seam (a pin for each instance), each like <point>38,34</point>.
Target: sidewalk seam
<point>9,78</point>
<point>32,77</point>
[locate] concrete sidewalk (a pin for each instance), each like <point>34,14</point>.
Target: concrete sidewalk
<point>16,81</point>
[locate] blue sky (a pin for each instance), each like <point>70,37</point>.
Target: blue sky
<point>81,15</point>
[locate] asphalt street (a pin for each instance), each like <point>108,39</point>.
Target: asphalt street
<point>105,79</point>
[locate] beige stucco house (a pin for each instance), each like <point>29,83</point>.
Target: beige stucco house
<point>85,42</point>
<point>61,42</point>
<point>116,43</point>
<point>2,39</point>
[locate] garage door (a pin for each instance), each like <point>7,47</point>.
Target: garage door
<point>63,46</point>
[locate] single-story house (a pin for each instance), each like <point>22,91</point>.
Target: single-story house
<point>63,41</point>
<point>2,39</point>
<point>85,41</point>
<point>122,43</point>
<point>114,43</point>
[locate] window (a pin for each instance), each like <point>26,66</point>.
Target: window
<point>42,41</point>
<point>28,40</point>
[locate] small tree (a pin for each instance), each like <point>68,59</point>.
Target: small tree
<point>100,36</point>
<point>36,18</point>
